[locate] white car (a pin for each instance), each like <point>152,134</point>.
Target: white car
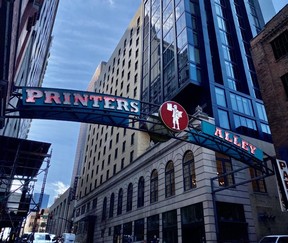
<point>39,238</point>
<point>274,239</point>
<point>68,238</point>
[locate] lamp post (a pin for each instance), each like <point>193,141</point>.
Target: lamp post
<point>70,222</point>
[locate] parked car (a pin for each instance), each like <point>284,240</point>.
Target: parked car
<point>52,236</point>
<point>24,237</point>
<point>39,238</point>
<point>68,238</point>
<point>274,239</point>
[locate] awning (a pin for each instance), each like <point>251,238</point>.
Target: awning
<point>21,157</point>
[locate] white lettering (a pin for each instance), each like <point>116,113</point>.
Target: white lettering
<point>134,106</point>
<point>122,104</point>
<point>96,100</point>
<point>32,94</point>
<point>67,97</point>
<point>83,99</point>
<point>51,96</point>
<point>108,103</point>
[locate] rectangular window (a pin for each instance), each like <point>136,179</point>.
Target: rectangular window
<point>261,111</point>
<point>123,146</point>
<point>139,230</point>
<point>95,183</point>
<point>224,169</point>
<point>132,138</point>
<point>94,203</point>
<point>169,226</point>
<point>131,156</point>
<point>223,119</point>
<point>116,153</point>
<point>122,163</point>
<point>152,227</point>
<point>280,45</point>
<point>114,169</point>
<point>258,185</point>
<point>220,97</point>
<point>284,79</point>
<point>241,104</point>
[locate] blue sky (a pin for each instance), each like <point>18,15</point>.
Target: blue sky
<point>85,33</point>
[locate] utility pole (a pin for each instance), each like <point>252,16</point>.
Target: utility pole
<point>38,205</point>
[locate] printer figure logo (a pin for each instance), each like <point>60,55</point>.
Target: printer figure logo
<point>174,116</point>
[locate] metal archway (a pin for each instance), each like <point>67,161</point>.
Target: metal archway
<point>61,105</point>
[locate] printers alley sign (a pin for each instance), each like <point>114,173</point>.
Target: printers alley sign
<point>90,107</point>
<point>81,106</point>
<point>54,97</point>
<point>227,137</point>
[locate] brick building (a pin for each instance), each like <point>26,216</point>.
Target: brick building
<point>270,56</point>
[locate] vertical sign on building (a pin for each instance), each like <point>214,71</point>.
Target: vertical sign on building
<point>282,175</point>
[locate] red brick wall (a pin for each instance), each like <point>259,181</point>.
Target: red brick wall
<point>269,72</point>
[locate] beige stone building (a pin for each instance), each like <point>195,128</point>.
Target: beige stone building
<point>132,189</point>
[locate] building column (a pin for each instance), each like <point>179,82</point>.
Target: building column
<point>179,225</point>
<point>209,221</point>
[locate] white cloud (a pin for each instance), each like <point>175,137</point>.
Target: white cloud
<point>59,187</point>
<point>111,2</point>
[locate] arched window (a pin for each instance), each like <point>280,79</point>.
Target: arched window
<point>140,198</point>
<point>120,201</point>
<point>154,186</point>
<point>189,171</point>
<point>129,197</point>
<point>104,209</point>
<point>111,209</point>
<point>169,180</point>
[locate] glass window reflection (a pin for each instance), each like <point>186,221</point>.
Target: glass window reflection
<point>223,119</point>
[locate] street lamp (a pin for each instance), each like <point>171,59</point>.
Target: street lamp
<point>70,222</point>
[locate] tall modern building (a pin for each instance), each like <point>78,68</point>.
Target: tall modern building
<point>109,149</point>
<point>133,189</point>
<point>35,200</point>
<point>198,53</point>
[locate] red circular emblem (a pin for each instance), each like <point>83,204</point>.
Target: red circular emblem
<point>174,116</point>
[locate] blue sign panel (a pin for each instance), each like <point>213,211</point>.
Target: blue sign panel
<point>61,104</point>
<point>225,139</point>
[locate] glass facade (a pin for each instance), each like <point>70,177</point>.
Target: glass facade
<point>198,53</point>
